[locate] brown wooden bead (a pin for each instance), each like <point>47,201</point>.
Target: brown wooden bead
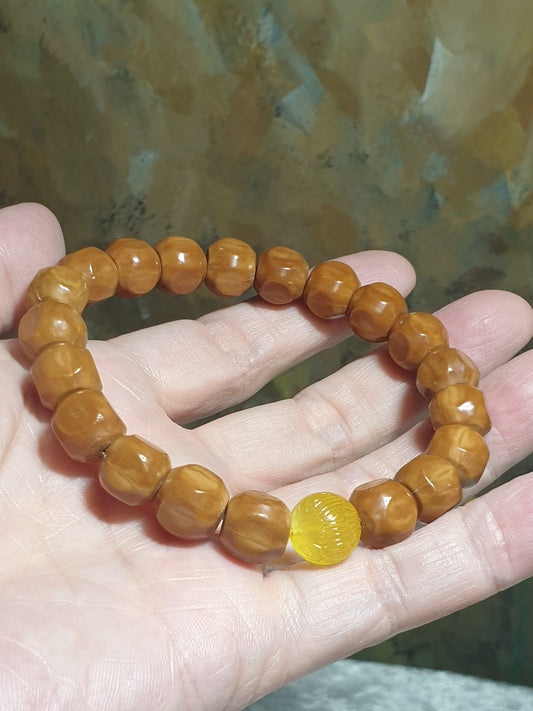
<point>132,469</point>
<point>464,447</point>
<point>183,265</point>
<point>50,322</point>
<point>387,510</point>
<point>85,424</point>
<point>281,275</point>
<point>256,527</point>
<point>97,269</point>
<point>58,283</point>
<point>191,502</point>
<point>138,266</point>
<point>60,369</point>
<point>444,367</point>
<point>230,267</point>
<point>412,336</point>
<point>460,404</point>
<point>329,288</point>
<point>373,309</point>
<point>435,484</point>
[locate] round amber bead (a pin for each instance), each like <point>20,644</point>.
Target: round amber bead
<point>85,424</point>
<point>388,512</point>
<point>281,275</point>
<point>329,288</point>
<point>133,469</point>
<point>460,404</point>
<point>256,527</point>
<point>97,269</point>
<point>138,266</point>
<point>230,267</point>
<point>444,367</point>
<point>183,265</point>
<point>435,484</point>
<point>412,336</point>
<point>50,322</point>
<point>325,528</point>
<point>373,309</point>
<point>464,447</point>
<point>58,283</point>
<point>59,370</point>
<point>191,502</point>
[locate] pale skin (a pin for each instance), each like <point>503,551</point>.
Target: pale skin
<point>101,609</point>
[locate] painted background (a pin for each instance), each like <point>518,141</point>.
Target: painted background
<point>329,126</point>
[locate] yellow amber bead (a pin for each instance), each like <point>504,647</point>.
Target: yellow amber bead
<point>325,528</point>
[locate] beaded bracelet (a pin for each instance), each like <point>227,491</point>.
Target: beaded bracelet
<point>192,502</point>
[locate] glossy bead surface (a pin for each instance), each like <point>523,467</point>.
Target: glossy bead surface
<point>132,469</point>
<point>183,265</point>
<point>435,484</point>
<point>325,528</point>
<point>281,275</point>
<point>444,367</point>
<point>50,322</point>
<point>191,502</point>
<point>97,269</point>
<point>256,527</point>
<point>138,266</point>
<point>464,447</point>
<point>329,288</point>
<point>460,405</point>
<point>230,267</point>
<point>85,424</point>
<point>412,336</point>
<point>60,369</point>
<point>58,283</point>
<point>387,510</point>
<point>373,309</point>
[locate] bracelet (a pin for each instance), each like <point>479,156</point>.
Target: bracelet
<point>193,503</point>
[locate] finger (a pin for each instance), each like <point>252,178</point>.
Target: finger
<point>362,406</point>
<point>30,238</point>
<point>201,367</point>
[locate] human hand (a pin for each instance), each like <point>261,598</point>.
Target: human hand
<point>101,609</point>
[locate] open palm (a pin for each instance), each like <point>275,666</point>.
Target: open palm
<point>101,609</point>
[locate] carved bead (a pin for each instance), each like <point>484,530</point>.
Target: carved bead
<point>58,283</point>
<point>329,288</point>
<point>464,447</point>
<point>256,527</point>
<point>460,405</point>
<point>444,367</point>
<point>387,510</point>
<point>138,266</point>
<point>281,275</point>
<point>373,309</point>
<point>97,269</point>
<point>183,265</point>
<point>412,336</point>
<point>191,502</point>
<point>50,322</point>
<point>230,267</point>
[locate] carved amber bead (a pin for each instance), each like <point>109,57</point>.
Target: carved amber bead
<point>85,424</point>
<point>230,267</point>
<point>325,528</point>
<point>435,484</point>
<point>460,404</point>
<point>255,527</point>
<point>191,502</point>
<point>97,269</point>
<point>133,469</point>
<point>464,447</point>
<point>281,275</point>
<point>50,322</point>
<point>183,265</point>
<point>60,369</point>
<point>373,309</point>
<point>444,367</point>
<point>138,266</point>
<point>387,510</point>
<point>329,288</point>
<point>58,283</point>
<point>412,336</point>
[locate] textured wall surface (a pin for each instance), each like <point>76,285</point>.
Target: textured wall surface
<point>326,125</point>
